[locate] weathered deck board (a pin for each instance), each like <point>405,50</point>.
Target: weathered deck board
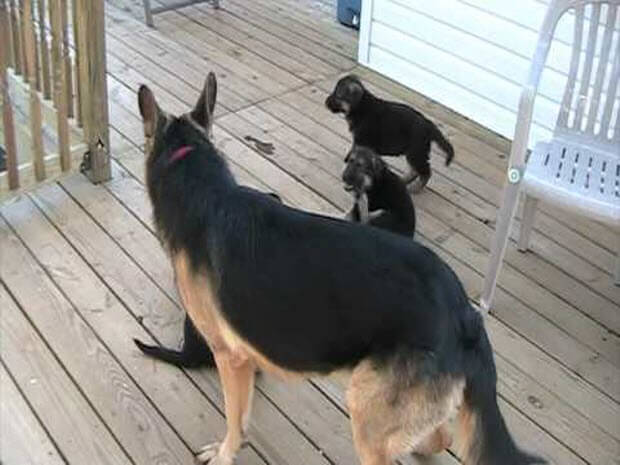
<point>74,425</point>
<point>554,327</point>
<point>23,439</point>
<point>140,429</point>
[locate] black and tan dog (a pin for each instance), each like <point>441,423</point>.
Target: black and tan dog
<point>389,128</point>
<point>297,294</point>
<point>381,197</point>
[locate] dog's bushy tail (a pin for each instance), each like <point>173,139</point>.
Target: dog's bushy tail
<point>485,439</point>
<point>176,357</point>
<point>443,143</point>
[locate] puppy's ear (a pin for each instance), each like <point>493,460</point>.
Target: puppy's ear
<point>356,91</point>
<point>202,113</point>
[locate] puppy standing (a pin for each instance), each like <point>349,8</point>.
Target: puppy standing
<point>381,198</point>
<point>389,128</point>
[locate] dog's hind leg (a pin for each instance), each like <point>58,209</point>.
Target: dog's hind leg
<point>412,175</point>
<point>419,163</point>
<point>393,414</point>
<point>237,378</point>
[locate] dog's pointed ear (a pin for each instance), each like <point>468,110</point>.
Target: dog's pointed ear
<point>202,113</point>
<point>149,110</point>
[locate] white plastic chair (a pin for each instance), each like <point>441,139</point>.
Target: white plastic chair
<point>579,168</point>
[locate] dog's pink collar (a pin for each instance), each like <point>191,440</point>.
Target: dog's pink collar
<point>180,153</point>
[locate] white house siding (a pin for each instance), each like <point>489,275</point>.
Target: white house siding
<point>470,55</point>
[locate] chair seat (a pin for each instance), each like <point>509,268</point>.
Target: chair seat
<point>575,177</point>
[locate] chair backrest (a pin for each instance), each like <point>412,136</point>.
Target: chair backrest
<point>589,112</point>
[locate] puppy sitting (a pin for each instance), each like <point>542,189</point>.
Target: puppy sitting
<point>381,198</point>
<point>389,128</point>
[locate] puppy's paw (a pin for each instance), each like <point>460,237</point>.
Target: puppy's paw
<point>210,455</point>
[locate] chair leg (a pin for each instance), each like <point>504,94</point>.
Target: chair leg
<point>498,245</point>
<point>148,15</point>
<point>527,223</point>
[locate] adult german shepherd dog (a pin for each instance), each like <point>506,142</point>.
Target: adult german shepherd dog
<point>300,294</point>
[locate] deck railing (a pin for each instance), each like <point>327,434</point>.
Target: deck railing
<point>53,91</point>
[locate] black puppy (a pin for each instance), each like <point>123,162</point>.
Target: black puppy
<point>381,198</point>
<point>195,352</point>
<point>389,128</point>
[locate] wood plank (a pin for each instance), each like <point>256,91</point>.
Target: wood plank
<point>191,42</point>
<point>152,299</point>
<point>148,57</point>
<point>324,37</point>
<point>171,22</point>
<point>22,437</point>
<point>280,29</point>
<point>264,43</point>
<point>323,20</point>
<point>72,423</point>
<point>304,169</point>
<point>138,426</point>
<point>567,424</point>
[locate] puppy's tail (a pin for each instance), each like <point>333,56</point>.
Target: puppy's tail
<point>176,357</point>
<point>443,143</point>
<point>484,436</point>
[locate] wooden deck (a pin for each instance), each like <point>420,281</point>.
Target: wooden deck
<point>83,273</point>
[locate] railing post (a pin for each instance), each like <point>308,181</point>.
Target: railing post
<point>92,79</point>
<point>7,105</point>
<point>36,123</point>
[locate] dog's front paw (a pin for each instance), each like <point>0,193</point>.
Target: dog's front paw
<point>210,454</point>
